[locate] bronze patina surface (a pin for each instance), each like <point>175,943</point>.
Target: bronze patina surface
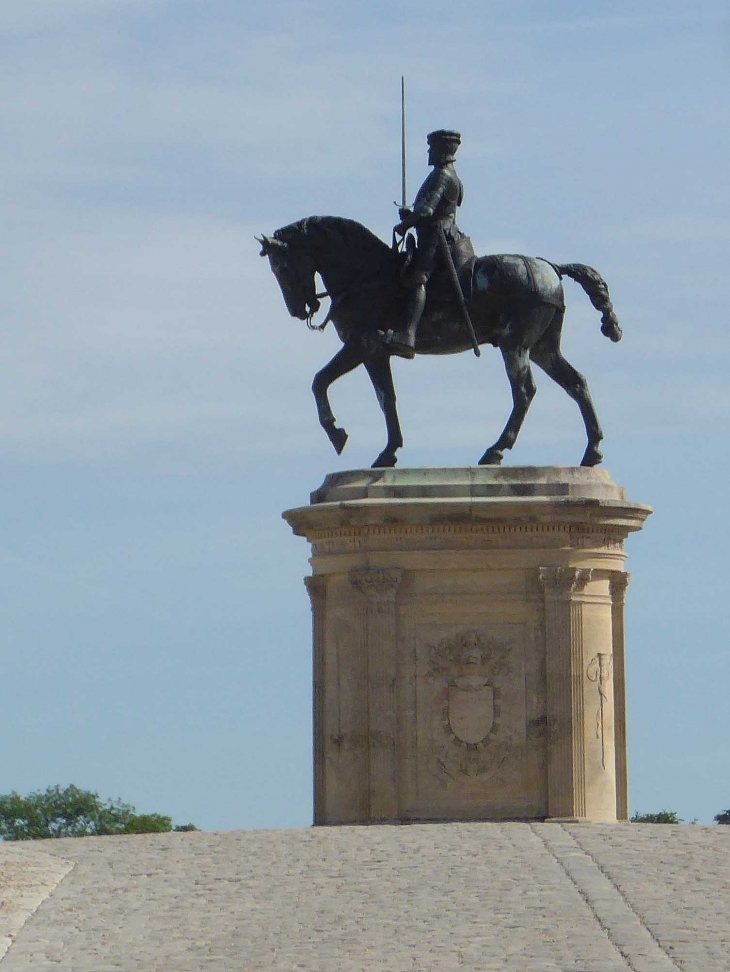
<point>433,296</point>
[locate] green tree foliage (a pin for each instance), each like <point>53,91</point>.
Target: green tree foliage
<point>664,816</point>
<point>148,823</point>
<point>72,812</point>
<point>723,818</point>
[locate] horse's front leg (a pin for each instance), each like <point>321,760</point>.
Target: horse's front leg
<point>517,365</point>
<point>382,378</point>
<point>345,360</point>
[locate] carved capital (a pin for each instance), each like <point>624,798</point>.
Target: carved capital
<point>564,581</point>
<point>376,583</point>
<point>316,588</point>
<point>618,583</point>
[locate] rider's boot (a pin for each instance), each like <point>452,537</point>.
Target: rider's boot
<point>403,341</point>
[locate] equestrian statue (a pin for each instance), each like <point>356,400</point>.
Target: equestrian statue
<point>432,295</point>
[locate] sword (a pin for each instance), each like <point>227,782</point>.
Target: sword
<point>446,254</point>
<point>403,188</point>
<point>404,192</point>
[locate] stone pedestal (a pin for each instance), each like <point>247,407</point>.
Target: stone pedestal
<point>469,644</point>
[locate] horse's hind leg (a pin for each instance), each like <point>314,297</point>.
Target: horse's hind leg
<point>382,379</point>
<point>561,371</point>
<point>517,365</point>
<point>345,360</point>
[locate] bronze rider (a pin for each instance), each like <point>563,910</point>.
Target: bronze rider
<point>434,210</point>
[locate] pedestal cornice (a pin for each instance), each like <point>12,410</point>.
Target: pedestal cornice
<point>583,505</point>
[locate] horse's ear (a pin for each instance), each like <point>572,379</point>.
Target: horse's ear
<point>268,243</point>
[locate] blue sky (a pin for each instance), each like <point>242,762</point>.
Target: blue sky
<point>155,412</point>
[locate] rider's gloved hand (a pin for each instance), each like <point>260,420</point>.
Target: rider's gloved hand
<point>407,220</point>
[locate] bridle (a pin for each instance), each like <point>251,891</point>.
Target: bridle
<point>405,244</point>
<point>312,302</point>
<point>312,310</point>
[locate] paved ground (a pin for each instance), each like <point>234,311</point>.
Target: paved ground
<point>433,898</point>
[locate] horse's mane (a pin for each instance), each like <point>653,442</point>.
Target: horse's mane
<point>345,232</point>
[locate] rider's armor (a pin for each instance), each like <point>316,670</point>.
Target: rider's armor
<point>439,196</point>
<point>433,214</point>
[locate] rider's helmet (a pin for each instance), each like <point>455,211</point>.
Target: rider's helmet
<point>443,144</point>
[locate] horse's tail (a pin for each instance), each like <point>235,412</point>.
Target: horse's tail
<point>597,290</point>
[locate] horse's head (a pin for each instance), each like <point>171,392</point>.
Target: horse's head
<point>292,264</point>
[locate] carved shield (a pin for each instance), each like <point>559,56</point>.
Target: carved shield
<point>471,708</point>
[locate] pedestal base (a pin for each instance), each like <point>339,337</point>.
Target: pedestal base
<point>468,644</point>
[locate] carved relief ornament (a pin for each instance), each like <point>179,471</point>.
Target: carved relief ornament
<point>564,581</point>
<point>316,588</point>
<point>438,535</point>
<point>599,672</point>
<point>376,583</point>
<point>618,584</point>
<point>466,671</point>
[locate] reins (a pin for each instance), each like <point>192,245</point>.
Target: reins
<point>334,298</point>
<point>328,318</point>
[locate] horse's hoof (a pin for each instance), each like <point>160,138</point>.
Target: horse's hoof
<point>386,460</point>
<point>591,457</point>
<point>492,457</point>
<point>338,438</point>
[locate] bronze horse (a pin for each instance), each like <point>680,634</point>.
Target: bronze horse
<point>516,303</point>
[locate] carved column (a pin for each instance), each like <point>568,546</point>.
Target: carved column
<point>379,586</point>
<point>618,583</point>
<point>565,695</point>
<point>317,590</point>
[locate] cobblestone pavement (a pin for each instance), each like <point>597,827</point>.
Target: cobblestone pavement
<point>27,877</point>
<point>676,879</point>
<point>434,898</point>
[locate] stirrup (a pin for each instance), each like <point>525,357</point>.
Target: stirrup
<point>398,347</point>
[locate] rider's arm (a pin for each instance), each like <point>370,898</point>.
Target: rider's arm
<point>430,194</point>
<point>427,199</point>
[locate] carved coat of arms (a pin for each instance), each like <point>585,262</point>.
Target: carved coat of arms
<point>466,671</point>
<point>471,707</point>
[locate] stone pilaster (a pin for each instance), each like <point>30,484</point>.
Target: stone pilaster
<point>562,587</point>
<point>317,590</point>
<point>618,583</point>
<point>379,586</point>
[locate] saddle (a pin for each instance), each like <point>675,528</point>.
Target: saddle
<point>440,287</point>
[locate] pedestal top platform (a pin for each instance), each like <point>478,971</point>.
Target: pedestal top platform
<point>468,482</point>
<point>428,495</point>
